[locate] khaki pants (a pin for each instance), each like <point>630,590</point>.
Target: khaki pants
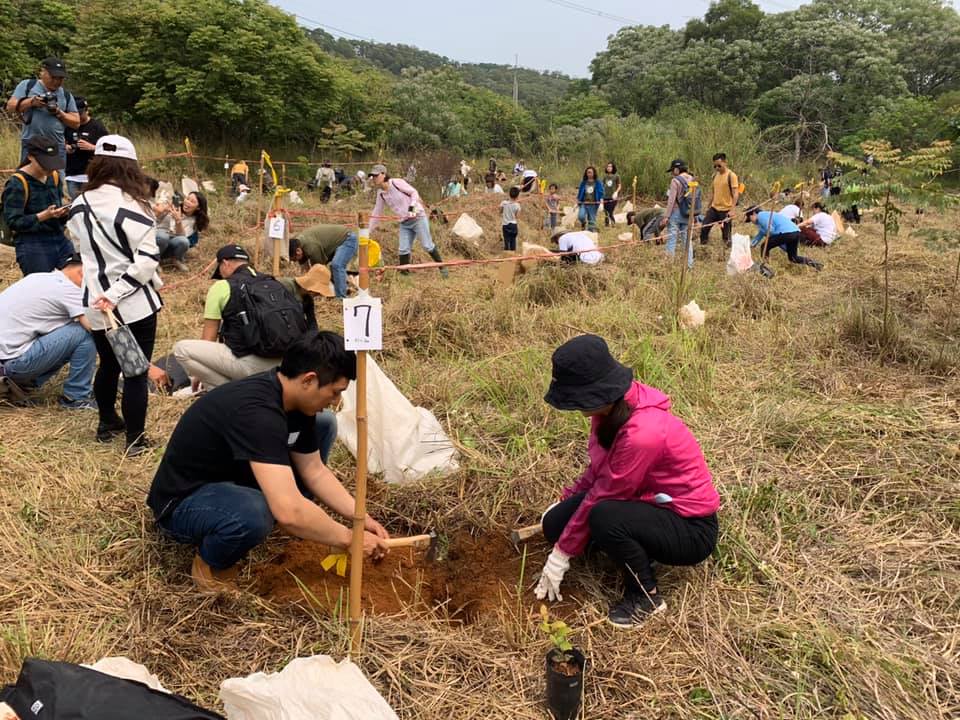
<point>213,364</point>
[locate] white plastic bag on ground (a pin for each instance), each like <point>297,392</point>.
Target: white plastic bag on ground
<point>405,442</point>
<point>625,236</point>
<point>625,208</point>
<point>569,219</point>
<point>691,316</point>
<point>164,192</point>
<point>127,669</point>
<point>466,228</point>
<point>295,198</point>
<point>209,187</point>
<point>741,258</point>
<point>314,688</point>
<point>620,218</point>
<point>188,185</point>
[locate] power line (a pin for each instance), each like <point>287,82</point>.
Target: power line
<point>591,11</point>
<point>331,27</point>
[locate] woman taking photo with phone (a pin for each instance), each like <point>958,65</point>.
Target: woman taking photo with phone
<point>116,231</point>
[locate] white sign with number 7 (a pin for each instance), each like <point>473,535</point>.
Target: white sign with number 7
<point>363,323</point>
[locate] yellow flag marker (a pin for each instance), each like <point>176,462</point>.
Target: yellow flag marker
<point>338,559</point>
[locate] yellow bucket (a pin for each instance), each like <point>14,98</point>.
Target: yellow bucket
<point>373,253</point>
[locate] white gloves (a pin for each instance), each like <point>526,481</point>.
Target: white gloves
<point>553,571</point>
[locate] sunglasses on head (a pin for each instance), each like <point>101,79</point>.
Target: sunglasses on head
<point>717,167</point>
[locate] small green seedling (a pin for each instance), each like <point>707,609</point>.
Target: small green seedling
<point>558,632</point>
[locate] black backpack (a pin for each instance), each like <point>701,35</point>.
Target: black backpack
<point>49,690</point>
<point>683,201</point>
<point>261,317</point>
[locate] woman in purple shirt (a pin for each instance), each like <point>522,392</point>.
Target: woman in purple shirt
<point>647,494</point>
<point>404,200</point>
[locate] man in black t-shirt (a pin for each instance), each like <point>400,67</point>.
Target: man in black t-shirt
<point>80,145</point>
<point>245,456</point>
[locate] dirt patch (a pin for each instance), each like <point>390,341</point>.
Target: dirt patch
<point>470,577</point>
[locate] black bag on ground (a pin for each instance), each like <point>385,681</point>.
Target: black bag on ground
<point>261,317</point>
<point>63,691</point>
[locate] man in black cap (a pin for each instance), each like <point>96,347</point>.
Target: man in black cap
<point>42,328</point>
<point>46,108</point>
<point>81,142</point>
<point>677,213</point>
<point>237,307</point>
<point>34,210</point>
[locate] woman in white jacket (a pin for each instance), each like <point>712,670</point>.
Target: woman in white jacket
<point>116,230</point>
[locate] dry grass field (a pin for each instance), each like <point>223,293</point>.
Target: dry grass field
<point>834,589</point>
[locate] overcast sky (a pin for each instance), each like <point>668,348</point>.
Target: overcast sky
<point>546,35</point>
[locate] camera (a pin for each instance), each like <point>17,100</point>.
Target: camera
<point>177,200</point>
<point>50,102</point>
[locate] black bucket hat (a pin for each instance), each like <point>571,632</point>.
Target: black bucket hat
<point>586,376</point>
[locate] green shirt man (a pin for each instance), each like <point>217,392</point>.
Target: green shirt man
<point>333,245</point>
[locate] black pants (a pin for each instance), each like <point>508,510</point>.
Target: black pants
<point>134,402</point>
<point>789,243</point>
<point>608,207</point>
<point>510,231</point>
<point>633,533</point>
<point>713,215</point>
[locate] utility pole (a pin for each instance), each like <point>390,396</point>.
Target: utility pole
<point>516,86</point>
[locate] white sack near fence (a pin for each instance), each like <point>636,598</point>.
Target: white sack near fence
<point>405,442</point>
<point>188,185</point>
<point>466,228</point>
<point>314,688</point>
<point>741,258</point>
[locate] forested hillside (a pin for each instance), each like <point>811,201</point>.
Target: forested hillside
<point>240,72</point>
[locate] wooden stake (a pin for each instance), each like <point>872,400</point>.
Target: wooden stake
<point>283,174</point>
<point>360,494</point>
<point>256,252</point>
<point>636,229</point>
<point>193,161</point>
<point>226,173</point>
<point>278,210</point>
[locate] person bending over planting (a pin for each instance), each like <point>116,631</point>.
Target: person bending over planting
<point>244,457</point>
<point>647,494</point>
<point>404,200</point>
<point>783,234</point>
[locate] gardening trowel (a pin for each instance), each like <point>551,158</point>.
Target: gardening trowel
<point>419,542</point>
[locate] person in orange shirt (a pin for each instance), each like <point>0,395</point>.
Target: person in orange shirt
<point>726,194</point>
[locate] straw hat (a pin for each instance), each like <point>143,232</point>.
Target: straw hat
<point>317,280</point>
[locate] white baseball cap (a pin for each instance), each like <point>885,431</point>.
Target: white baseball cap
<point>115,146</point>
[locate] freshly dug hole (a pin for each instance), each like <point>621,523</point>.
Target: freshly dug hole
<point>471,578</point>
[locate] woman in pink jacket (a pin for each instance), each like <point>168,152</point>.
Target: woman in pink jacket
<point>646,495</point>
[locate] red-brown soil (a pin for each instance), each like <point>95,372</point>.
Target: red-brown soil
<point>471,577</point>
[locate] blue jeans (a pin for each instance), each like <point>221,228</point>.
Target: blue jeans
<point>41,253</point>
<point>588,215</point>
<point>225,520</point>
<point>338,266</point>
<point>410,230</point>
<point>50,352</point>
<point>677,233</point>
<point>174,246</point>
<point>74,189</point>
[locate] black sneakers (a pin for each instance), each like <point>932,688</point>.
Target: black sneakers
<point>109,429</point>
<point>634,608</point>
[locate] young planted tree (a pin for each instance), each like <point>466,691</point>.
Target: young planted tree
<point>893,181</point>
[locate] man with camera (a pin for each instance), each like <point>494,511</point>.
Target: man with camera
<point>45,107</point>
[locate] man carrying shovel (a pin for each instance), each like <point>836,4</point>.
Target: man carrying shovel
<point>245,457</point>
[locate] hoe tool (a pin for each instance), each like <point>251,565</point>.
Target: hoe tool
<point>525,533</point>
<point>418,542</point>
